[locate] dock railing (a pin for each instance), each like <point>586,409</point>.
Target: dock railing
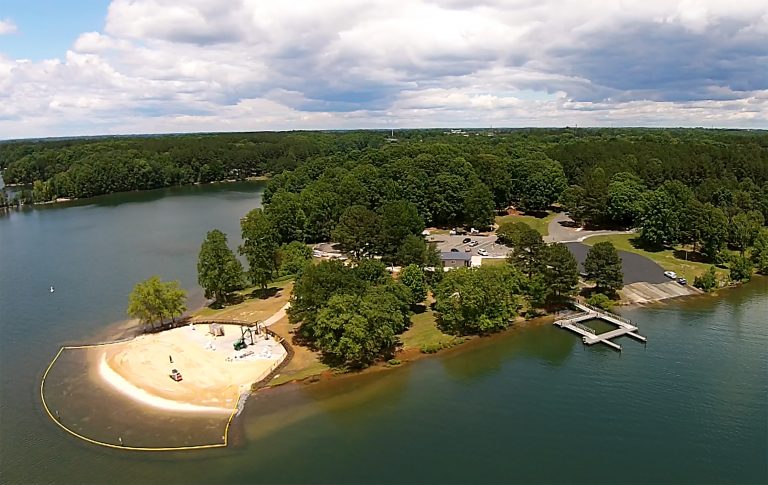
<point>610,314</point>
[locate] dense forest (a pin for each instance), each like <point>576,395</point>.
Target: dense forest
<point>705,187</point>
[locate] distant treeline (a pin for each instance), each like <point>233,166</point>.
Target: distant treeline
<point>87,167</point>
<point>606,177</point>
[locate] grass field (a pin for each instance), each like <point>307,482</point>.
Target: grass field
<point>252,308</point>
<point>423,331</point>
<point>666,258</point>
<point>541,224</point>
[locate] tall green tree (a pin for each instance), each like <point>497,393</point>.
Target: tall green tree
<point>286,215</point>
<point>219,272</point>
<point>759,252</point>
<point>260,245</point>
<point>527,246</point>
<point>478,300</point>
<point>293,258</point>
<point>659,223</point>
<point>625,199</point>
<point>153,300</point>
<point>603,266</point>
<point>713,231</point>
<point>744,229</point>
<point>560,271</point>
<point>398,220</point>
<point>544,181</point>
<point>412,276</point>
<point>357,231</point>
<point>478,206</point>
<point>740,268</point>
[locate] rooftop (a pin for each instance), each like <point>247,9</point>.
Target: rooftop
<point>463,256</point>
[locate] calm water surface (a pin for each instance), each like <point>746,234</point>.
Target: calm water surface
<point>532,405</point>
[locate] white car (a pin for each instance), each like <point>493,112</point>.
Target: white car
<point>670,274</point>
<point>473,243</point>
<point>482,252</point>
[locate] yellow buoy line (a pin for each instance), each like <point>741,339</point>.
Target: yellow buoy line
<point>223,444</point>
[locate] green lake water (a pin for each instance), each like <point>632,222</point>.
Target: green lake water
<point>531,405</point>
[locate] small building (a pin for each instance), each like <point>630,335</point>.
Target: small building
<point>454,259</point>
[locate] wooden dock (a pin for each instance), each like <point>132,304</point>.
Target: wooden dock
<point>589,336</point>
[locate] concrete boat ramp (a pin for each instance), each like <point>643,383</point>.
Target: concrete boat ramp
<point>589,336</point>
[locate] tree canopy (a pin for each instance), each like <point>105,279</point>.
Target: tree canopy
<point>603,266</point>
<point>153,300</point>
<point>219,272</point>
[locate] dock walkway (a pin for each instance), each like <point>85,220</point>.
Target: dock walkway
<point>589,336</point>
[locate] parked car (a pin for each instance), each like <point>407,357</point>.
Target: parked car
<point>176,375</point>
<point>466,240</point>
<point>482,252</point>
<point>468,248</point>
<point>682,281</point>
<point>454,250</point>
<point>473,244</point>
<point>670,274</point>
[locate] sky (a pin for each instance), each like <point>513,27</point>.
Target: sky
<point>92,67</point>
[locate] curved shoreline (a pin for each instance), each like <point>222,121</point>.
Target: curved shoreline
<point>119,383</point>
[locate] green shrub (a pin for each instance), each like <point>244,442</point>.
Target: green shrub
<point>394,362</point>
<point>437,347</point>
<point>707,281</point>
<point>741,268</point>
<point>601,301</point>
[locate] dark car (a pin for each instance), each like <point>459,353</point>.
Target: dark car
<point>466,240</point>
<point>682,281</point>
<point>454,250</point>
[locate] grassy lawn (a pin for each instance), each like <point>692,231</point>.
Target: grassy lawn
<point>541,224</point>
<point>666,258</point>
<point>494,261</point>
<point>423,331</point>
<point>253,308</point>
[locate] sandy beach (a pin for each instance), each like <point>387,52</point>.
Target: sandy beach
<point>214,374</point>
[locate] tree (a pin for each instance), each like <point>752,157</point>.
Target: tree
<point>398,220</point>
<point>153,300</point>
<point>286,215</point>
<point>713,231</point>
<point>526,244</point>
<point>259,247</point>
<point>415,250</point>
<point>315,286</point>
<point>560,271</point>
<point>740,268</point>
<point>603,266</point>
<point>659,222</point>
<point>544,181</point>
<point>478,300</point>
<point>625,199</point>
<point>572,199</point>
<point>293,258</point>
<point>744,229</point>
<point>357,231</point>
<point>478,206</point>
<point>412,276</point>
<point>759,253</point>
<point>218,270</point>
<point>353,331</point>
<point>706,281</point>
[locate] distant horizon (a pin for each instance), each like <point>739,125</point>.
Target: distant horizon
<point>384,130</point>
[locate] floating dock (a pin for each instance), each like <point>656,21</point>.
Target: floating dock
<point>589,336</point>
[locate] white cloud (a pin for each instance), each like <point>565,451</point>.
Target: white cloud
<point>161,65</point>
<point>7,27</point>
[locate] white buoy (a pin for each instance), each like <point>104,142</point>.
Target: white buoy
<point>52,290</point>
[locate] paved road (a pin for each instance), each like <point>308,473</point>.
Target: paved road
<point>636,267</point>
<point>446,242</point>
<point>561,230</point>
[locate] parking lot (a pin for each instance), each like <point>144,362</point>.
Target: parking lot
<point>446,243</point>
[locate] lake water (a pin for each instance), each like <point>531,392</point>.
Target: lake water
<point>531,405</point>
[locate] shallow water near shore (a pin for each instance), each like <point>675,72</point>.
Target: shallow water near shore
<point>531,405</point>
